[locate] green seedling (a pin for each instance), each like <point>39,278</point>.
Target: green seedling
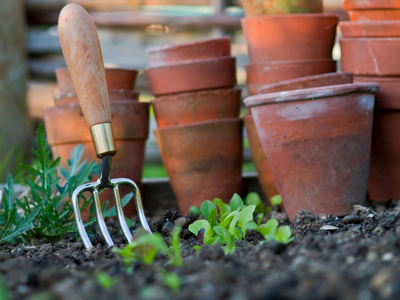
<point>175,253</point>
<point>171,280</point>
<point>105,280</point>
<point>4,291</point>
<point>276,200</point>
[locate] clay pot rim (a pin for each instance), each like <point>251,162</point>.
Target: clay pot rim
<point>183,45</point>
<point>106,68</point>
<point>112,91</point>
<point>288,62</point>
<point>302,79</point>
<point>200,123</point>
<point>370,28</point>
<point>380,78</point>
<point>179,96</point>
<point>291,16</point>
<point>370,4</point>
<point>370,39</point>
<point>311,93</point>
<point>192,62</point>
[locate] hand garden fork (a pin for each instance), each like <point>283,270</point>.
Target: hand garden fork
<point>81,48</point>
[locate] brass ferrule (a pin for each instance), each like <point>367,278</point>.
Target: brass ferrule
<point>103,139</point>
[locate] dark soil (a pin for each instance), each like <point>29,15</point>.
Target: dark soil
<point>355,258</point>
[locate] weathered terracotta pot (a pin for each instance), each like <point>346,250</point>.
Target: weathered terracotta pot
<point>61,99</point>
<point>197,106</point>
<point>317,142</point>
<point>261,74</point>
<point>189,52</point>
<point>272,7</point>
<point>203,160</point>
<point>192,76</point>
<point>370,4</point>
<point>371,56</point>
<point>117,79</point>
<point>66,128</point>
<point>290,37</point>
<point>308,82</point>
<point>260,161</point>
<point>370,29</point>
<point>374,14</point>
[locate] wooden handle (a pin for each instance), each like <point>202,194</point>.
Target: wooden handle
<point>81,48</point>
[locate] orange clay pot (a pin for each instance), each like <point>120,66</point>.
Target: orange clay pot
<point>370,4</point>
<point>290,37</point>
<point>272,7</point>
<point>192,76</point>
<point>371,56</point>
<point>117,79</point>
<point>370,29</point>
<point>308,82</point>
<point>61,99</point>
<point>261,74</point>
<point>66,128</point>
<point>317,142</point>
<point>189,52</point>
<point>203,160</point>
<point>374,14</point>
<point>260,161</point>
<point>197,106</point>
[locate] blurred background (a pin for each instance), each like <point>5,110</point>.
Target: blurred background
<point>30,52</point>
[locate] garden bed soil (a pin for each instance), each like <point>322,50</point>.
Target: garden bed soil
<point>356,258</point>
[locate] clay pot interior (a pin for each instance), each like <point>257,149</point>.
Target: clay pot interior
<point>61,99</point>
<point>317,143</point>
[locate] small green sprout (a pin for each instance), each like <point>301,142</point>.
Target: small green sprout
<point>171,280</point>
<point>276,200</point>
<point>105,280</point>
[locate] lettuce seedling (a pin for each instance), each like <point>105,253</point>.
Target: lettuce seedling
<point>105,280</point>
<point>276,200</point>
<point>171,280</point>
<point>227,238</point>
<point>175,255</point>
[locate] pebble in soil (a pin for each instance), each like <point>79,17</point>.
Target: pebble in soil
<point>359,260</point>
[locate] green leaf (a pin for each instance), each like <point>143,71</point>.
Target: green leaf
<point>259,220</point>
<point>176,256</point>
<point>276,200</point>
<point>236,202</point>
<point>195,210</point>
<point>227,219</point>
<point>254,199</point>
<point>197,248</point>
<point>105,280</point>
<point>196,226</point>
<point>245,216</point>
<point>212,217</point>
<point>269,228</point>
<point>233,223</point>
<point>223,207</point>
<point>206,207</point>
<point>283,235</point>
<point>171,280</point>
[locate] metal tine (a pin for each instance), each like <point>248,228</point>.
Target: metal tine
<point>100,219</point>
<point>120,214</point>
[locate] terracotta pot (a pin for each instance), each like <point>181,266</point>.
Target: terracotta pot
<point>260,161</point>
<point>384,175</point>
<point>370,29</point>
<point>130,127</point>
<point>261,74</point>
<point>117,79</point>
<point>192,76</point>
<point>374,14</point>
<point>317,142</point>
<point>189,52</point>
<point>203,160</point>
<point>197,106</point>
<point>371,56</point>
<point>272,7</point>
<point>388,96</point>
<point>370,4</point>
<point>290,37</point>
<point>61,99</point>
<point>308,82</point>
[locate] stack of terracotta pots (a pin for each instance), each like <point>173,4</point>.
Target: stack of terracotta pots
<point>197,109</point>
<point>370,50</point>
<point>66,126</point>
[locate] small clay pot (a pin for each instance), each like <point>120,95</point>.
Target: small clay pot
<point>61,99</point>
<point>260,161</point>
<point>196,106</point>
<point>388,96</point>
<point>308,82</point>
<point>261,74</point>
<point>370,29</point>
<point>317,143</point>
<point>203,160</point>
<point>272,7</point>
<point>374,14</point>
<point>117,79</point>
<point>384,174</point>
<point>192,76</point>
<point>290,37</point>
<point>66,128</point>
<point>189,52</point>
<point>370,4</point>
<point>371,56</point>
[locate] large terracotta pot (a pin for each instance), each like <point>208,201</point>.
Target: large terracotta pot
<point>290,37</point>
<point>261,74</point>
<point>203,160</point>
<point>272,7</point>
<point>371,56</point>
<point>117,79</point>
<point>189,52</point>
<point>317,142</point>
<point>192,76</point>
<point>66,128</point>
<point>308,82</point>
<point>197,106</point>
<point>370,29</point>
<point>61,99</point>
<point>260,161</point>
